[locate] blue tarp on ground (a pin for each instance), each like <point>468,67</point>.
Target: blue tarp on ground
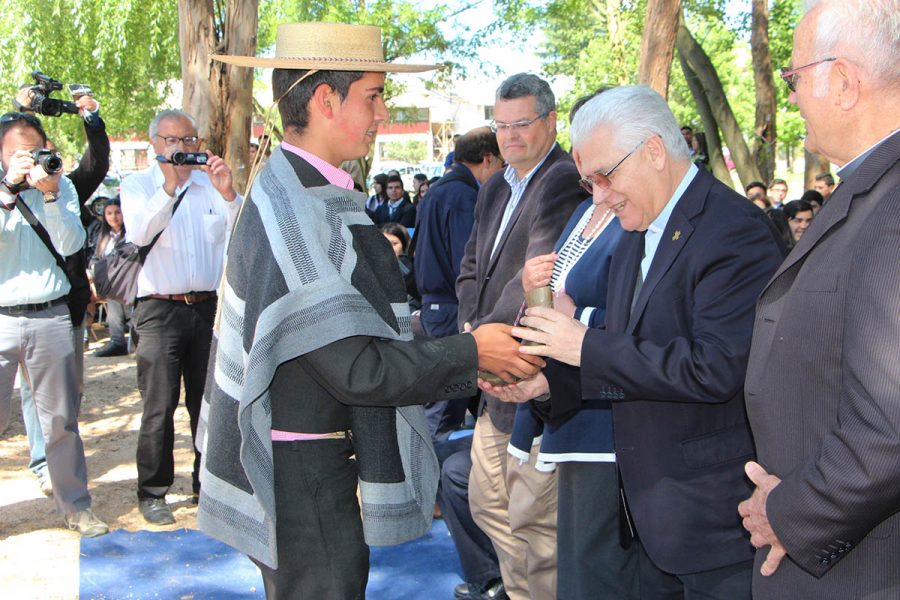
<point>187,564</point>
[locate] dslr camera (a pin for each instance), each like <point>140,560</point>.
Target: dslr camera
<point>185,158</point>
<point>49,160</point>
<point>43,104</point>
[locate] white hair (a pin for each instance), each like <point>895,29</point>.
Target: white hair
<point>170,113</point>
<point>867,32</point>
<point>634,113</point>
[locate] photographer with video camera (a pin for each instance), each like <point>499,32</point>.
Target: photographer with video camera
<point>94,163</point>
<point>39,225</point>
<point>189,209</point>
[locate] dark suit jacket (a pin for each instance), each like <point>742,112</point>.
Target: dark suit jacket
<point>405,214</point>
<point>674,369</point>
<point>823,393</point>
<point>490,288</point>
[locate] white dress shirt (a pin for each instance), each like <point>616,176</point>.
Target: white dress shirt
<point>28,272</point>
<point>190,254</point>
<point>656,228</point>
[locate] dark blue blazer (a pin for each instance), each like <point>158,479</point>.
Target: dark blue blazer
<point>673,369</point>
<point>405,214</point>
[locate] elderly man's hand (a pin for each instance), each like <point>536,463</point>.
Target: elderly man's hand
<point>519,392</point>
<point>220,177</point>
<point>499,353</point>
<point>756,521</point>
<point>557,335</point>
<point>537,271</point>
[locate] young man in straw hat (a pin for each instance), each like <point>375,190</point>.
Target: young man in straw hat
<point>314,343</point>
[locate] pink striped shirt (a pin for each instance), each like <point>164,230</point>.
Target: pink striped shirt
<point>334,175</point>
<point>340,178</point>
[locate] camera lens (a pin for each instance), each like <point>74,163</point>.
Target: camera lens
<point>178,157</point>
<point>52,164</point>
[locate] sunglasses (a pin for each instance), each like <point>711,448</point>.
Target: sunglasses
<point>790,75</point>
<point>12,117</point>
<point>599,179</point>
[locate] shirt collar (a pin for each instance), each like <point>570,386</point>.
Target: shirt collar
<point>850,168</point>
<point>662,219</point>
<point>333,174</point>
<point>513,179</point>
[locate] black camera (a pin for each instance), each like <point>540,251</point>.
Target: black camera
<point>185,158</point>
<point>42,103</point>
<point>49,160</point>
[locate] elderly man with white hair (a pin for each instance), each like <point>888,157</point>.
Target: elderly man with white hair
<point>825,511</point>
<point>671,358</point>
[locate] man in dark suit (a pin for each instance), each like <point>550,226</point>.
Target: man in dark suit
<point>823,381</point>
<point>672,357</point>
<point>520,213</point>
<point>397,209</point>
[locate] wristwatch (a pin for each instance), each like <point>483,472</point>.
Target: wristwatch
<point>50,197</point>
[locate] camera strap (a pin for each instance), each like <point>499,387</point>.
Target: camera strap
<point>42,233</point>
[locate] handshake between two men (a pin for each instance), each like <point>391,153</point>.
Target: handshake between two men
<point>548,332</point>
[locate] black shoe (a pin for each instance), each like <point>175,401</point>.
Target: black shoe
<point>112,349</point>
<point>156,511</point>
<point>195,498</point>
<point>493,590</point>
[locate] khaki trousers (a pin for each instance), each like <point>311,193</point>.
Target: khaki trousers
<point>515,505</point>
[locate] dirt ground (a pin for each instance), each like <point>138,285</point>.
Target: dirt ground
<point>38,556</point>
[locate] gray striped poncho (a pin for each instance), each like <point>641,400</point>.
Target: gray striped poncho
<point>287,291</point>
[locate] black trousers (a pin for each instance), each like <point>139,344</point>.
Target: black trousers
<point>174,345</point>
<point>476,553</point>
<point>591,562</point>
<point>731,582</point>
<point>322,553</point>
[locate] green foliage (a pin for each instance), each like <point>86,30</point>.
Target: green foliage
<point>126,51</point>
<point>410,151</point>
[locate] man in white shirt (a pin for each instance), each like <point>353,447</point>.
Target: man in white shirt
<point>176,302</point>
<point>35,322</point>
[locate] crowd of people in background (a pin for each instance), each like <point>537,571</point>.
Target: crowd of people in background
<point>609,456</point>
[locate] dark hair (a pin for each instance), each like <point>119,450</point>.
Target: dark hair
<point>395,179</point>
<point>812,196</point>
<point>104,226</point>
<point>420,177</point>
<point>294,107</point>
<point>826,177</point>
<point>20,119</point>
<point>398,231</point>
<point>796,206</point>
<point>522,85</point>
<point>433,180</point>
<point>473,146</point>
<point>688,127</point>
<point>754,184</point>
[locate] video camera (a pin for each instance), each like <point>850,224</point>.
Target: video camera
<point>43,104</point>
<point>185,158</point>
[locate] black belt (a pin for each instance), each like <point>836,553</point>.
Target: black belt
<point>189,298</point>
<point>21,309</point>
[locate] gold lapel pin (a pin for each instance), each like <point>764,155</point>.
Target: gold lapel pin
<point>676,235</point>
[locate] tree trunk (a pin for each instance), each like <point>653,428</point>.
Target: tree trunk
<point>815,164</point>
<point>657,43</point>
<point>220,96</point>
<point>699,62</point>
<point>710,127</point>
<point>764,143</point>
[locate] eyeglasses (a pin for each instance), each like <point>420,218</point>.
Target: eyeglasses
<point>790,75</point>
<point>11,117</point>
<point>189,140</point>
<point>517,126</point>
<point>600,179</point>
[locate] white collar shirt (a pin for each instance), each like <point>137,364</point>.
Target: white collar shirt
<point>190,253</point>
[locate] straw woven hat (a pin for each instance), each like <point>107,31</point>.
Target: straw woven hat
<point>326,46</point>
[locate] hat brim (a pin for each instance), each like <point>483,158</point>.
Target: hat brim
<point>322,64</point>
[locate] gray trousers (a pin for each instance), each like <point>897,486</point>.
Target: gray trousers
<point>33,342</point>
